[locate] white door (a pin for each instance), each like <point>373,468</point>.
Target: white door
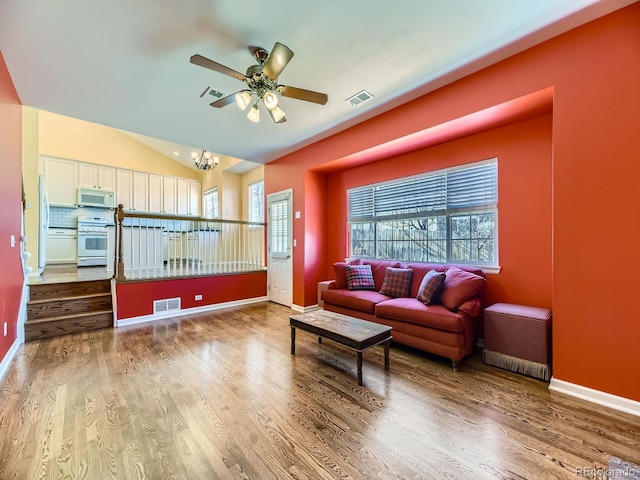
<point>280,240</point>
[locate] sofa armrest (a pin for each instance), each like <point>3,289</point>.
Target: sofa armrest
<point>471,307</point>
<point>322,286</point>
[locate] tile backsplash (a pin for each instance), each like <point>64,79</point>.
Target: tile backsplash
<point>68,217</point>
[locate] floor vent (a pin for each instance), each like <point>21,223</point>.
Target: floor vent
<point>166,305</point>
<point>359,97</point>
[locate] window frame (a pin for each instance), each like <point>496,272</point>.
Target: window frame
<point>255,199</point>
<point>469,190</point>
<point>215,195</point>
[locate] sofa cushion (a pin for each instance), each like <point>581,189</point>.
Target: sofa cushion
<point>340,273</point>
<point>362,300</point>
<point>379,268</point>
<point>460,286</point>
<point>430,287</point>
<point>411,310</point>
<point>359,277</point>
<point>396,282</point>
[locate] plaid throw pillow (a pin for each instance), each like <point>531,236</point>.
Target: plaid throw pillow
<point>359,277</point>
<point>397,282</point>
<point>431,287</point>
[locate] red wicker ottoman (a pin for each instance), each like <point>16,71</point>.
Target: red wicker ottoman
<point>518,338</point>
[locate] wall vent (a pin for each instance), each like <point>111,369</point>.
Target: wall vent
<point>359,98</point>
<point>166,305</point>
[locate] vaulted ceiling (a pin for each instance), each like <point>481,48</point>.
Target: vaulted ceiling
<point>125,64</point>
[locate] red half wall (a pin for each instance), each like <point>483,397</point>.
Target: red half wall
<point>136,299</point>
<point>11,279</point>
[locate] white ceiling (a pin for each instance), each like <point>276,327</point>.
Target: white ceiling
<point>125,63</point>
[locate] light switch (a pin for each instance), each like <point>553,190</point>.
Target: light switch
<point>13,241</point>
<point>298,214</point>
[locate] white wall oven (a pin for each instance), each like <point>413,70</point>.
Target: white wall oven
<point>92,240</point>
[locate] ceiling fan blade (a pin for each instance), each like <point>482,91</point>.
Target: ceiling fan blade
<point>278,59</point>
<point>302,94</point>
<point>224,101</point>
<point>210,64</point>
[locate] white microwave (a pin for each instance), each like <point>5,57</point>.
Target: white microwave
<point>88,197</point>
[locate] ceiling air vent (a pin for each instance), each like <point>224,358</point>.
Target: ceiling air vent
<point>166,305</point>
<point>359,97</point>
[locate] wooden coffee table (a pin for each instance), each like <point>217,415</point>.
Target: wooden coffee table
<point>354,333</point>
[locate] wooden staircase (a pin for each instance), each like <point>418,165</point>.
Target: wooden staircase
<point>59,308</point>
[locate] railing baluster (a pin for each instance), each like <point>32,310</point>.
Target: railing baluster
<point>188,245</point>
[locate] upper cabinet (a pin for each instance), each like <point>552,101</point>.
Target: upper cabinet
<point>195,196</point>
<point>124,188</point>
<point>140,191</point>
<point>169,187</point>
<point>96,176</point>
<point>61,181</point>
<point>182,196</point>
<point>155,193</point>
<point>136,191</point>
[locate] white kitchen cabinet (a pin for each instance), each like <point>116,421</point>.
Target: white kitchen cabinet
<point>195,197</point>
<point>169,188</point>
<point>62,246</point>
<point>124,188</point>
<point>155,193</point>
<point>140,192</point>
<point>182,196</point>
<point>96,176</point>
<point>61,181</point>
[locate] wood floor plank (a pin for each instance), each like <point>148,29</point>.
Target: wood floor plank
<point>218,395</point>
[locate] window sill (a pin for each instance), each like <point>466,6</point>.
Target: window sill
<point>492,270</point>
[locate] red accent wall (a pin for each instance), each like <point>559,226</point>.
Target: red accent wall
<point>594,73</point>
<point>11,279</point>
<point>136,299</point>
<point>523,150</point>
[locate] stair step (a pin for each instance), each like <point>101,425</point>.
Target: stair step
<point>65,324</point>
<point>60,306</point>
<point>38,291</point>
<point>78,316</point>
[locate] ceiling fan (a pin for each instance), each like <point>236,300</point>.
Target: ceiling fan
<point>262,83</point>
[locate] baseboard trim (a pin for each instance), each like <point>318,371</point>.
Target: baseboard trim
<point>8,358</point>
<point>187,311</point>
<point>595,396</point>
<point>301,309</point>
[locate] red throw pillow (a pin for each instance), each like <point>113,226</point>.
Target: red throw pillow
<point>340,273</point>
<point>359,277</point>
<point>460,286</point>
<point>431,287</point>
<point>396,282</point>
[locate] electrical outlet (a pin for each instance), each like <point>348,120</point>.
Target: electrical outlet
<point>198,297</point>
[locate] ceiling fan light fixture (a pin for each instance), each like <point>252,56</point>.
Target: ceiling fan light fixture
<point>254,113</point>
<point>243,99</point>
<point>277,114</point>
<point>270,100</point>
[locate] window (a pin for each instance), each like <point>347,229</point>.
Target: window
<point>447,216</point>
<point>256,202</point>
<point>210,203</point>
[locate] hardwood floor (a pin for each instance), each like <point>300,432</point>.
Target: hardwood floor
<point>218,395</point>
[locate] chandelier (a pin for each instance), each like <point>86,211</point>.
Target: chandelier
<point>204,160</point>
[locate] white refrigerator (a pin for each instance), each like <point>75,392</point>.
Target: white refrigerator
<point>43,221</point>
